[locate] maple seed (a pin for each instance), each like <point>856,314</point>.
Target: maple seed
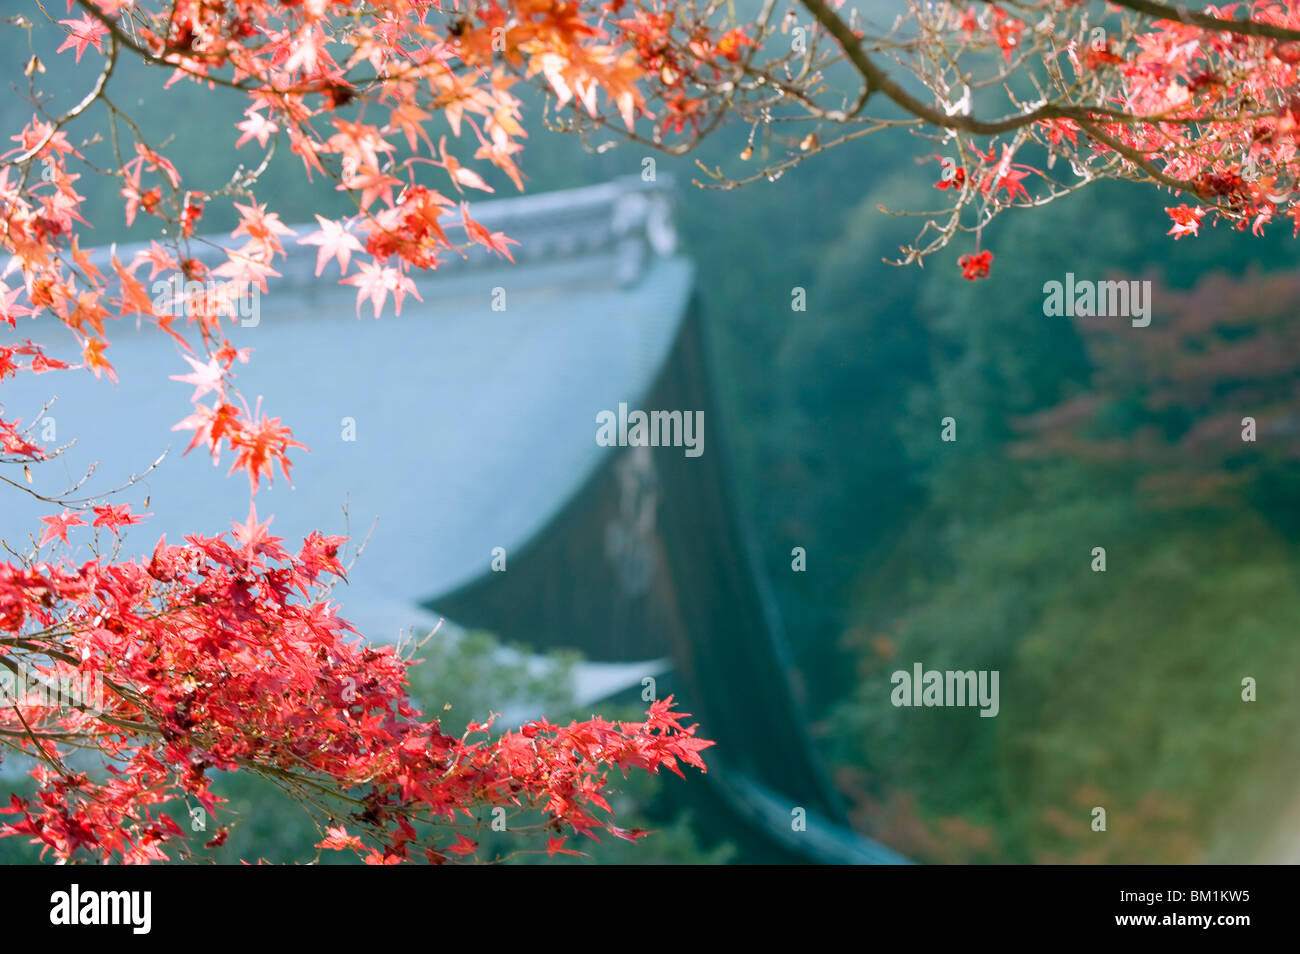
<point>34,65</point>
<point>809,142</point>
<point>747,153</point>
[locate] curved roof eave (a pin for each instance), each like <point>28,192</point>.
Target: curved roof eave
<point>472,426</point>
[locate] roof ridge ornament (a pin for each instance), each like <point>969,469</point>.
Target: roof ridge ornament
<point>627,219</point>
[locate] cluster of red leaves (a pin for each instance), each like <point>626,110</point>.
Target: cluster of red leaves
<point>1212,114</point>
<point>674,61</point>
<point>991,177</point>
<point>299,64</point>
<point>1244,170</point>
<point>222,654</point>
<point>15,442</point>
<point>1004,30</point>
<point>61,281</point>
<point>975,266</point>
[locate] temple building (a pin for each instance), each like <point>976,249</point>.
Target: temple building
<point>469,427</point>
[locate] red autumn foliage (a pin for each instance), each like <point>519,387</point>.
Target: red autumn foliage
<point>223,652</point>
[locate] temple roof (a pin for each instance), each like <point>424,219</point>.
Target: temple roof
<point>473,426</point>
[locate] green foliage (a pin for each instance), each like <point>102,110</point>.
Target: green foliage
<point>1119,689</point>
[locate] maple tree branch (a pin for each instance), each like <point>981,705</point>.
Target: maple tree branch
<point>1138,159</point>
<point>115,28</point>
<point>151,58</point>
<point>878,80</point>
<point>1207,21</point>
<point>96,91</point>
